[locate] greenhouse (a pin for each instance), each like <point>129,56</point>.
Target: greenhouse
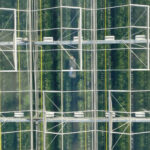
<point>74,75</point>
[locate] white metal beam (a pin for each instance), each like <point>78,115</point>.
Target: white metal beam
<point>148,27</point>
<point>110,120</point>
<point>80,37</point>
<point>14,40</point>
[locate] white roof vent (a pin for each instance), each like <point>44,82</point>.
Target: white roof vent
<point>50,114</point>
<point>19,39</point>
<point>25,39</point>
<point>79,114</point>
<point>109,38</point>
<point>76,38</point>
<point>140,114</point>
<point>140,37</point>
<point>48,39</point>
<point>18,114</point>
<point>107,114</point>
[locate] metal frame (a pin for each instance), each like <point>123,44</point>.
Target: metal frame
<point>14,42</point>
<point>95,119</point>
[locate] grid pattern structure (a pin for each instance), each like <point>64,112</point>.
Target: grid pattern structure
<point>78,76</point>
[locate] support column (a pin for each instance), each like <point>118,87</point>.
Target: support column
<point>30,74</point>
<point>148,63</point>
<point>94,34</point>
<point>44,123</point>
<point>80,37</point>
<point>15,42</point>
<point>31,83</point>
<point>110,120</point>
<point>130,73</point>
<point>61,40</point>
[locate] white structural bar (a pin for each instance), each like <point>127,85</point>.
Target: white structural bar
<point>148,24</point>
<point>130,75</point>
<point>138,5</point>
<point>101,119</point>
<point>13,119</point>
<point>8,9</point>
<point>44,123</point>
<point>80,37</point>
<point>72,119</point>
<point>12,43</point>
<point>15,43</point>
<point>84,42</point>
<point>110,120</point>
<point>40,43</point>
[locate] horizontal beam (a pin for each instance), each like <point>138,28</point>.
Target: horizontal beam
<point>78,120</point>
<point>12,43</point>
<point>8,9</point>
<point>84,42</point>
<point>99,120</point>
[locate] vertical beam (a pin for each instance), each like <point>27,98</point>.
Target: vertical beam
<point>31,83</point>
<point>105,80</point>
<point>15,42</point>
<point>61,39</point>
<point>36,76</point>
<point>41,67</point>
<point>44,123</point>
<point>94,15</point>
<point>80,37</point>
<point>92,79</point>
<point>110,120</point>
<point>148,63</point>
<point>19,75</point>
<point>130,73</point>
